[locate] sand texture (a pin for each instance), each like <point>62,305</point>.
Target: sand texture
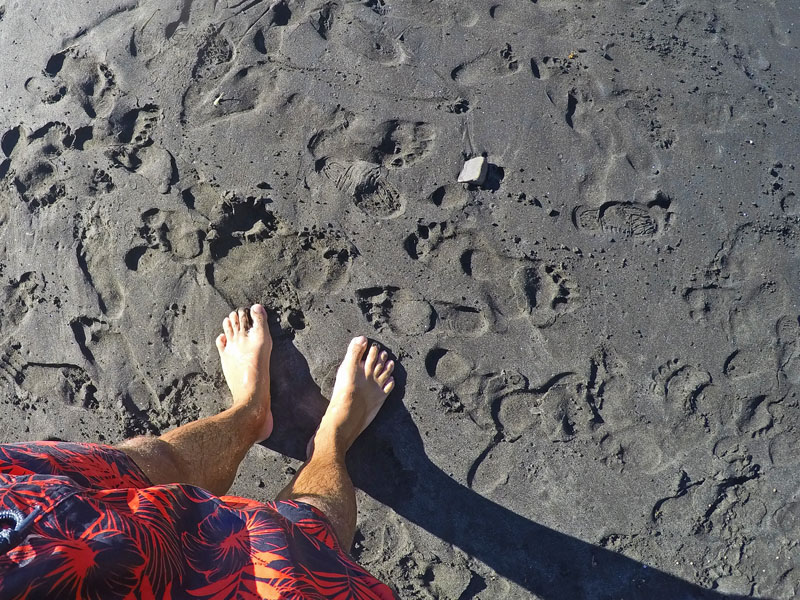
<point>600,345</point>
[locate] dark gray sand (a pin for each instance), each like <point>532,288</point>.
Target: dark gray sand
<point>600,345</point>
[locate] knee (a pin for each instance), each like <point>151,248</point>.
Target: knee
<point>157,458</point>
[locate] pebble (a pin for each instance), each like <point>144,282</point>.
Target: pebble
<point>474,171</point>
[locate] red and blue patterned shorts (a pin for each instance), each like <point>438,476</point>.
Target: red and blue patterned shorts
<point>100,530</point>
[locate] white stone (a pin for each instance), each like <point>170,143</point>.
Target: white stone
<point>474,171</point>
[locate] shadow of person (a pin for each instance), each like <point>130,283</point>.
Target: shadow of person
<point>389,463</point>
<point>297,403</point>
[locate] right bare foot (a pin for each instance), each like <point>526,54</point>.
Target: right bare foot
<point>244,349</point>
<point>362,385</point>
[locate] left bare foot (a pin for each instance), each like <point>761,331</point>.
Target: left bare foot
<point>244,350</point>
<point>362,385</point>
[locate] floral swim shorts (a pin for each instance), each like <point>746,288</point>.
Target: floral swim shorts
<point>83,521</point>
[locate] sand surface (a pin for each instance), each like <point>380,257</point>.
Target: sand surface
<point>600,346</point>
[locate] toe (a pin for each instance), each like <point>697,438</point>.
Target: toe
<point>355,353</point>
<point>379,364</point>
<point>388,386</point>
<point>221,341</point>
<point>383,376</point>
<point>372,358</point>
<point>259,316</point>
<point>244,319</point>
<point>227,327</point>
<point>356,348</point>
<point>234,317</point>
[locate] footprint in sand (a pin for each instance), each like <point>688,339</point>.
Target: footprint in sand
<point>495,63</point>
<point>680,385</point>
<point>18,296</point>
<point>34,169</point>
<point>369,154</point>
<point>557,410</point>
<point>783,449</point>
<point>403,143</point>
<point>544,292</point>
<point>95,252</point>
<point>447,366</point>
<point>128,133</point>
<point>183,400</point>
<point>424,242</point>
<point>631,449</point>
<point>533,290</point>
<point>400,311</point>
<point>393,144</point>
<point>624,219</point>
<point>742,293</point>
<point>39,382</point>
<point>214,53</point>
<point>106,347</point>
<point>460,320</point>
<point>243,230</point>
<point>134,148</point>
<point>536,290</point>
<point>73,74</point>
<point>545,67</point>
<point>686,393</point>
<point>166,231</point>
<point>368,34</point>
<point>99,183</point>
<point>405,312</point>
<point>234,78</point>
<point>68,382</point>
<point>449,196</point>
<point>366,185</point>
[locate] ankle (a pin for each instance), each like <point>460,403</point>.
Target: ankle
<point>340,423</point>
<point>248,418</point>
<point>329,442</point>
<point>257,398</point>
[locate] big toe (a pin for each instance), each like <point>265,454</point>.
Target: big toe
<point>355,350</point>
<point>259,316</point>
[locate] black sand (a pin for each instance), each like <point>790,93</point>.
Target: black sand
<point>600,345</point>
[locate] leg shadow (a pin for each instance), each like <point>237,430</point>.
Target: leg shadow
<point>297,403</point>
<point>389,463</point>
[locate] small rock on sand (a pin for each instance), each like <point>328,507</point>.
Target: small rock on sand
<point>474,171</point>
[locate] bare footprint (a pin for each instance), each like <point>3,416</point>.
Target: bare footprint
<point>244,350</point>
<point>362,385</point>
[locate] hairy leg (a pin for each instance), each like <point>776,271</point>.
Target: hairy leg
<point>323,482</point>
<point>361,387</point>
<point>207,452</point>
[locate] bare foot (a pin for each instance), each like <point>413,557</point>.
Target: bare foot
<point>244,350</point>
<point>362,385</point>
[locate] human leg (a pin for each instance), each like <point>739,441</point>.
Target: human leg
<point>362,385</point>
<point>207,452</point>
